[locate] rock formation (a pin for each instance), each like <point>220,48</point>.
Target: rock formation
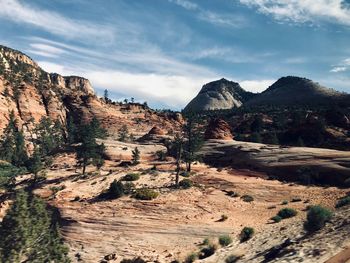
<point>218,129</point>
<point>292,91</point>
<point>31,93</point>
<point>219,95</point>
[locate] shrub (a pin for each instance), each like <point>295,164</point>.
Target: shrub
<point>128,188</point>
<point>247,198</point>
<point>232,259</point>
<point>190,258</point>
<point>317,217</point>
<point>225,240</point>
<point>116,190</point>
<point>287,213</point>
<point>205,242</point>
<point>246,234</point>
<point>145,194</point>
<point>343,202</point>
<point>185,174</point>
<point>131,177</point>
<point>232,193</point>
<point>284,202</point>
<point>186,183</point>
<point>207,251</point>
<point>276,219</point>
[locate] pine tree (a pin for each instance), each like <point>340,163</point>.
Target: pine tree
<point>123,133</point>
<point>136,156</point>
<point>29,233</point>
<point>71,131</point>
<point>105,95</point>
<point>89,151</point>
<point>35,165</point>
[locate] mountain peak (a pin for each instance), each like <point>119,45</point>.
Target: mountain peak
<point>218,95</point>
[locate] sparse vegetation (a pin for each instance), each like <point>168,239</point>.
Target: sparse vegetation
<point>287,213</point>
<point>185,183</point>
<point>246,234</point>
<point>247,198</point>
<point>145,194</point>
<point>223,218</point>
<point>207,251</point>
<point>284,202</point>
<point>191,258</point>
<point>115,190</point>
<point>136,156</point>
<point>134,260</point>
<point>317,216</point>
<point>343,202</point>
<point>225,240</point>
<point>131,177</point>
<point>276,219</point>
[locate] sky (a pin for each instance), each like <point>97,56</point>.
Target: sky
<point>163,51</point>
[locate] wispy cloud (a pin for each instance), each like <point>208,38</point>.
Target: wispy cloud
<point>301,11</point>
<point>209,16</point>
<point>341,67</point>
<point>52,22</point>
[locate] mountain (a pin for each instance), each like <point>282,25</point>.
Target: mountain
<point>218,95</point>
<point>31,93</point>
<point>289,91</point>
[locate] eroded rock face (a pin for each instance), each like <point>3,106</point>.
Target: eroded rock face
<point>32,93</point>
<point>218,129</point>
<point>219,95</point>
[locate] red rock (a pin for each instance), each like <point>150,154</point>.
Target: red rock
<point>218,129</point>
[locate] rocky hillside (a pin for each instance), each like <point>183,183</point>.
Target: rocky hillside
<point>291,91</point>
<point>31,93</point>
<point>217,95</point>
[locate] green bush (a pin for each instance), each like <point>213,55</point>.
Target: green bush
<point>225,240</point>
<point>287,213</point>
<point>116,190</point>
<point>276,219</point>
<point>246,234</point>
<point>284,202</point>
<point>343,202</point>
<point>185,174</point>
<point>128,188</point>
<point>317,216</point>
<point>247,198</point>
<point>131,177</point>
<point>145,194</point>
<point>186,183</point>
<point>190,258</point>
<point>206,242</point>
<point>207,251</point>
<point>232,259</point>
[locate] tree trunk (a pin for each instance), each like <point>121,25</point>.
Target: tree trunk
<point>84,167</point>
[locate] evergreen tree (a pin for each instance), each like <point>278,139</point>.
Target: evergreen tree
<point>35,165</point>
<point>136,156</point>
<point>178,145</point>
<point>123,133</point>
<point>105,95</point>
<point>29,233</point>
<point>89,151</point>
<point>12,144</point>
<point>71,131</point>
<point>193,139</point>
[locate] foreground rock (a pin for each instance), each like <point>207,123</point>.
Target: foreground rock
<point>288,163</point>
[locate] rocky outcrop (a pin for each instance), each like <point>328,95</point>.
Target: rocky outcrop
<point>219,95</point>
<point>155,135</point>
<point>292,91</point>
<point>218,129</point>
<point>329,167</point>
<point>31,93</point>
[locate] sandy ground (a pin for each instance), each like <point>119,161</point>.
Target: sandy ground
<point>175,223</point>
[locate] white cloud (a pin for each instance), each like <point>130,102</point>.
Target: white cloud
<point>45,50</point>
<point>338,69</point>
<point>256,85</point>
<point>52,22</point>
<point>302,11</point>
<point>53,68</point>
<point>341,67</point>
<point>185,4</point>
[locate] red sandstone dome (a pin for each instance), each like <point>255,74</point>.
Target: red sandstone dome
<point>218,129</point>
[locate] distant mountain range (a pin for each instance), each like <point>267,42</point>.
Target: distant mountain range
<point>287,91</point>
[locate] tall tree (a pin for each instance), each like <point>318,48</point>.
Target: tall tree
<point>12,144</point>
<point>193,139</point>
<point>178,145</point>
<point>89,151</point>
<point>136,156</point>
<point>29,233</point>
<point>105,95</point>
<point>123,133</point>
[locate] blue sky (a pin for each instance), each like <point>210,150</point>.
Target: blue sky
<point>163,51</point>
